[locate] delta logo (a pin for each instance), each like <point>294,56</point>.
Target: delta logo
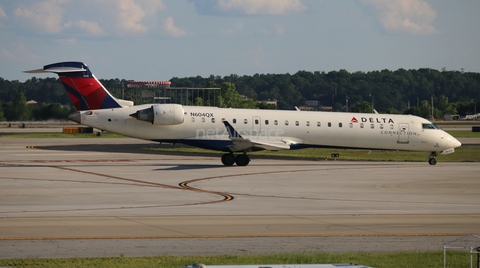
<point>373,120</point>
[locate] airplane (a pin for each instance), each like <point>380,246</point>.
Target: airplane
<point>239,131</point>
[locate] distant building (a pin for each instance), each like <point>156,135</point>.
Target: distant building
<point>307,108</point>
<point>269,102</point>
<point>450,117</point>
<point>311,103</point>
<point>327,108</point>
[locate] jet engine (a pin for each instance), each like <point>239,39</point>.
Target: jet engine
<point>161,114</point>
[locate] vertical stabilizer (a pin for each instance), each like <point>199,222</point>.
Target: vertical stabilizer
<point>83,88</point>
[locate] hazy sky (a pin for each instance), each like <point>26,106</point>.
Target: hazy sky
<point>161,39</point>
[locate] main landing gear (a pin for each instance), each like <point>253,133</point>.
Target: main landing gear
<point>431,158</point>
<point>240,159</point>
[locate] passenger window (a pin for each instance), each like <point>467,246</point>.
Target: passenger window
<point>391,126</point>
<point>275,122</point>
<point>329,124</point>
<point>308,123</point>
<point>381,126</point>
<point>234,120</point>
<point>319,124</point>
<point>297,123</point>
<point>193,119</point>
<point>350,125</point>
<point>245,121</point>
<point>361,125</point>
<point>203,119</point>
<point>256,122</point>
<point>340,125</point>
<point>213,120</point>
<point>286,122</point>
<point>372,126</point>
<point>266,122</point>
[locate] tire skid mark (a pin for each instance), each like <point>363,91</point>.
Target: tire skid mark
<point>126,181</point>
<point>182,186</point>
<point>185,184</point>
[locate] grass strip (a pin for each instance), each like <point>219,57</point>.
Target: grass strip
<point>384,260</point>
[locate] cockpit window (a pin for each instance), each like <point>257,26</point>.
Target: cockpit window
<point>430,126</point>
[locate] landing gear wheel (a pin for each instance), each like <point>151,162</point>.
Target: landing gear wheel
<point>242,160</point>
<point>228,159</point>
<point>431,158</point>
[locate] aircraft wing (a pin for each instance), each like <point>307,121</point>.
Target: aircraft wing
<point>240,143</point>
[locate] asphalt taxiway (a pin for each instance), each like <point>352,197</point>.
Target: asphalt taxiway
<point>105,197</point>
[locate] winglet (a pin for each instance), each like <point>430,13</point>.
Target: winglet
<point>232,133</point>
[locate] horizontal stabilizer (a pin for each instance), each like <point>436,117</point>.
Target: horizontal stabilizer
<point>37,71</point>
<point>62,67</point>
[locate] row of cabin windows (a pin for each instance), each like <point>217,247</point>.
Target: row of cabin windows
<point>297,123</point>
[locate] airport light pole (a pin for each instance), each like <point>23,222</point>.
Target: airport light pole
<point>432,110</point>
<point>334,92</point>
<point>373,99</point>
<point>346,103</point>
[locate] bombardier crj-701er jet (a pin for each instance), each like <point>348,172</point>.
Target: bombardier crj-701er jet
<point>239,131</point>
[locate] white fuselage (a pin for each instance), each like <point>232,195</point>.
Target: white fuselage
<point>203,127</point>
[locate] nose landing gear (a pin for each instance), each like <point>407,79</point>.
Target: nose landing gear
<point>431,158</point>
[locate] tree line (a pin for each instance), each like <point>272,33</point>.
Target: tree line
<point>400,91</point>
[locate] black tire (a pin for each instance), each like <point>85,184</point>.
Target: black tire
<point>228,159</point>
<point>242,160</point>
<point>432,161</point>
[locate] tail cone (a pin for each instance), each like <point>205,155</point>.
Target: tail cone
<point>75,117</point>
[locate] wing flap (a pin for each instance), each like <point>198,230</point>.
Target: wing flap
<point>246,144</point>
<point>242,144</point>
<point>271,145</point>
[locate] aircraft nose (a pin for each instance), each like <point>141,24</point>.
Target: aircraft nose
<point>456,143</point>
<point>451,142</point>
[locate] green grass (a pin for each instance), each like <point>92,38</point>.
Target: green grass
<point>384,260</point>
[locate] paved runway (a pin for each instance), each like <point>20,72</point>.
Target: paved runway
<point>106,197</point>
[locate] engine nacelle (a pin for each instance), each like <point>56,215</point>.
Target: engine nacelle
<point>161,114</point>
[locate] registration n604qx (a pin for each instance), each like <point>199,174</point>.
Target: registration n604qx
<point>239,131</point>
